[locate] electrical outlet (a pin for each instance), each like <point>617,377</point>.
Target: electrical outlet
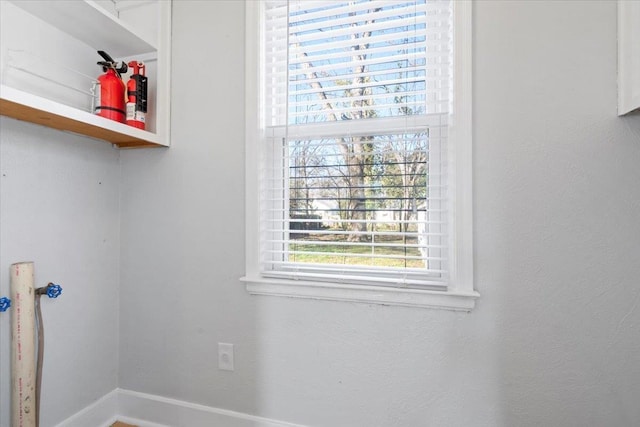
<point>225,356</point>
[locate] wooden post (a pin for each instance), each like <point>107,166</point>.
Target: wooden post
<point>23,361</point>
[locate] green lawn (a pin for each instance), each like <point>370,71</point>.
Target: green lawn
<point>340,253</point>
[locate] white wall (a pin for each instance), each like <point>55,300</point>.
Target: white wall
<point>59,207</point>
<point>557,201</point>
<point>554,338</point>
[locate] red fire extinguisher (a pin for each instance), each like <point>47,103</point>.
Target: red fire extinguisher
<point>110,89</point>
<point>137,96</point>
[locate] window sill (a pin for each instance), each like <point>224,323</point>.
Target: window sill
<point>455,301</point>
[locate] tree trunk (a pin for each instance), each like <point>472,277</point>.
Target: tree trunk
<point>357,196</point>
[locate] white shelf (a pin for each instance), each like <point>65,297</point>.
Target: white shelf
<point>628,56</point>
<point>34,109</point>
<point>87,21</point>
<point>67,33</point>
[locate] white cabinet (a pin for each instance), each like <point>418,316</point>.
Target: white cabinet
<point>49,58</point>
<point>628,56</point>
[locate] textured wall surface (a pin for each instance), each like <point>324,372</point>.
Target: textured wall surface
<point>557,201</point>
<point>59,207</point>
<point>183,225</point>
<point>554,339</point>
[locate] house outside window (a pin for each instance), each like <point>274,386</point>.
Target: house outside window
<point>358,151</point>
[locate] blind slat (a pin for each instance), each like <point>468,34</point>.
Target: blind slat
<point>354,168</point>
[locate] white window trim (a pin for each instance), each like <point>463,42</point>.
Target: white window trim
<point>460,294</point>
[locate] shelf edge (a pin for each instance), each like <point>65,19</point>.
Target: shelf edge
<point>33,109</point>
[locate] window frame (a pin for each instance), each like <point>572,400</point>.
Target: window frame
<point>460,294</point>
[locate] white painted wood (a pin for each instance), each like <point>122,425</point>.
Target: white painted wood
<point>172,412</point>
<point>460,151</point>
<point>253,134</point>
<point>39,58</point>
<point>162,101</point>
<point>146,410</point>
<point>46,105</point>
<point>103,412</point>
<point>143,17</point>
<point>23,360</point>
<point>122,35</point>
<point>461,294</point>
<point>133,421</point>
<point>88,21</point>
<point>448,300</point>
<point>628,56</point>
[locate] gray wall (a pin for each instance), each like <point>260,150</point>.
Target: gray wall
<point>557,205</point>
<point>554,338</point>
<point>59,207</point>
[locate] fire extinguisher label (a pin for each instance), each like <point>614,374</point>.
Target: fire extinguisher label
<point>133,114</point>
<point>98,98</point>
<point>131,110</point>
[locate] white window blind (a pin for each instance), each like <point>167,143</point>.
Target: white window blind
<point>354,166</point>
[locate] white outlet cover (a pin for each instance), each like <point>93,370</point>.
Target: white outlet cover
<point>225,356</point>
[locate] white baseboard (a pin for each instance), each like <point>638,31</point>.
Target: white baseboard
<point>100,413</point>
<point>147,410</point>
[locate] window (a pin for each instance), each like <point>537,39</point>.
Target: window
<point>358,151</point>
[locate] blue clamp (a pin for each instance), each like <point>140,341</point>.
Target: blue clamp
<point>53,290</point>
<point>5,304</point>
